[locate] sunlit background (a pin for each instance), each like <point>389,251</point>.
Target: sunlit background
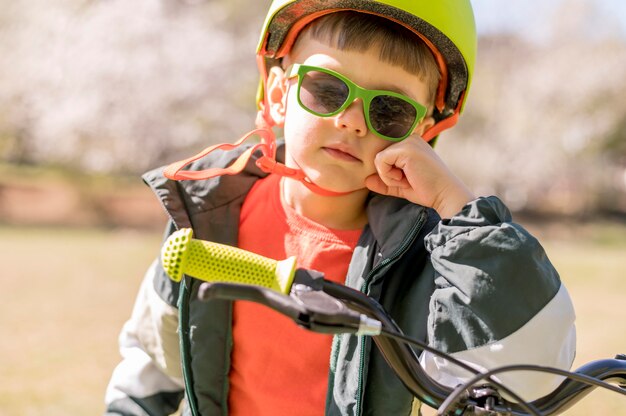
<point>119,87</point>
<point>95,92</point>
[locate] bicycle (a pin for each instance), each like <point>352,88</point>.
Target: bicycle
<point>331,308</point>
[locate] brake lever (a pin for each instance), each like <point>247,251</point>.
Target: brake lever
<point>330,315</point>
<point>326,309</point>
<point>309,308</point>
<point>267,297</point>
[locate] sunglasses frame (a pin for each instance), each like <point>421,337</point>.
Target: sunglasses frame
<point>355,91</point>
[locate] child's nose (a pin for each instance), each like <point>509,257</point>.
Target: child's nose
<point>352,118</point>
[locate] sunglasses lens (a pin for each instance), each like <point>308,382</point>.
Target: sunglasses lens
<point>392,116</point>
<point>323,93</point>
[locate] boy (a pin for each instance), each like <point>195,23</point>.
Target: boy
<point>360,196</point>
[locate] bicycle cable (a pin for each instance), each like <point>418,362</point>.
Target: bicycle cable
<point>455,395</point>
<point>591,381</point>
<point>528,407</point>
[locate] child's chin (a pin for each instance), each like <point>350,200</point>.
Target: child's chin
<point>334,179</point>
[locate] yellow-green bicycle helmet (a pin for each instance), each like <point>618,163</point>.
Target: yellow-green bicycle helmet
<point>446,26</point>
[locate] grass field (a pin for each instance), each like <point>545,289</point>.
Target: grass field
<point>66,293</point>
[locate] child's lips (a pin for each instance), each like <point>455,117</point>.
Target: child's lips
<point>341,153</point>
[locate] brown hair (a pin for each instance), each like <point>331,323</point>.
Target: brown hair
<point>397,45</point>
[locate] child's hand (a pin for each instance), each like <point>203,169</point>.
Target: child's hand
<point>411,169</point>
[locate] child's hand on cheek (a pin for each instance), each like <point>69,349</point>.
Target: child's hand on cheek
<point>411,169</point>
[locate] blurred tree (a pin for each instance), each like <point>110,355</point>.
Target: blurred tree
<point>118,86</point>
<point>540,112</point>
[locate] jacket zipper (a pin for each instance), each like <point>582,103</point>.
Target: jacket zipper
<point>412,234</point>
<point>183,307</point>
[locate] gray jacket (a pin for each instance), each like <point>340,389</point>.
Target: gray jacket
<point>475,285</point>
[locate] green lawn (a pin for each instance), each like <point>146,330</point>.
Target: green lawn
<point>67,292</point>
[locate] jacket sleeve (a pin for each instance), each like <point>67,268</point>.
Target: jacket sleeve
<point>497,301</point>
<point>148,380</point>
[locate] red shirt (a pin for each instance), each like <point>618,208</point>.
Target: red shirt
<point>278,368</point>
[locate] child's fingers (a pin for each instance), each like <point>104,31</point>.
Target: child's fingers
<point>376,184</point>
<point>394,174</point>
<point>388,170</point>
<point>393,177</point>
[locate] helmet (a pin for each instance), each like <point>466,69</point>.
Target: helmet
<point>446,26</point>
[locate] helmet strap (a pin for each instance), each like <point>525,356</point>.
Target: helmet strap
<point>444,124</point>
<point>267,162</point>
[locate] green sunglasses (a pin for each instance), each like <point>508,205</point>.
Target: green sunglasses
<point>325,93</point>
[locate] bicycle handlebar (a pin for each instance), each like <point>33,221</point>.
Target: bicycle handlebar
<point>323,306</point>
<point>213,262</point>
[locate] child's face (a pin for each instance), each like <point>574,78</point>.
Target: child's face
<point>337,152</point>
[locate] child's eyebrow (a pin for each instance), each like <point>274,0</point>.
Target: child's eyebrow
<point>394,88</point>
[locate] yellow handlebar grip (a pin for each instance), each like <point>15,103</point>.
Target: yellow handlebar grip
<point>213,262</point>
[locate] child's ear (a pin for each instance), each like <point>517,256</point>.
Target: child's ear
<point>276,90</point>
<point>424,125</point>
